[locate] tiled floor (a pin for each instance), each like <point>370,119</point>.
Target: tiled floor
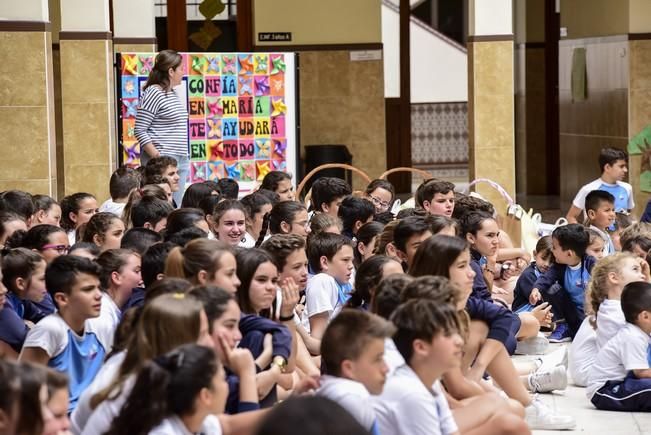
<point>590,421</point>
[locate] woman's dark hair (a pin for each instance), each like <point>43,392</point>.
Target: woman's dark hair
<point>35,238</point>
<point>186,235</point>
<point>214,299</point>
<point>98,225</point>
<point>283,212</point>
<point>148,193</point>
<point>253,204</point>
<point>9,386</point>
<point>273,178</point>
<point>92,248</point>
<point>436,254</point>
<point>222,207</point>
<point>208,204</point>
<point>32,378</point>
<point>112,260</point>
<point>248,261</point>
<point>365,234</point>
<point>182,218</point>
<point>19,263</point>
<point>472,222</point>
<point>6,217</point>
<point>314,415</point>
<point>167,385</point>
<point>440,222</point>
<point>18,202</point>
<point>43,202</point>
<point>71,204</point>
<point>159,74</point>
<point>353,210</point>
<point>195,193</point>
<point>367,278</point>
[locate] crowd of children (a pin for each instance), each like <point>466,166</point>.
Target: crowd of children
<point>148,315</point>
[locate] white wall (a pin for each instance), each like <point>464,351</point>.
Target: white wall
<point>133,19</point>
<point>24,10</point>
<point>439,67</point>
<point>84,15</point>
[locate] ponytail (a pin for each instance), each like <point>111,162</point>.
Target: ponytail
<point>263,230</point>
<point>166,386</point>
<point>174,263</point>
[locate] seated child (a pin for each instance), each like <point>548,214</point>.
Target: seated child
<point>355,212</point>
<point>327,194</point>
<point>436,197</point>
<point>352,350</point>
<point>122,182</point>
<point>543,258</point>
<point>597,247</point>
<point>75,339</point>
<point>330,256</point>
<point>571,270</point>
<point>600,210</point>
<point>620,379</point>
<point>408,234</point>
<point>609,277</point>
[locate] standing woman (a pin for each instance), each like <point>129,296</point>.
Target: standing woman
<point>162,119</point>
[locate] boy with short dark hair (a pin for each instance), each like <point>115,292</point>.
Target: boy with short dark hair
<point>353,362</point>
<point>228,188</point>
<point>600,209</point>
<point>571,270</point>
<point>436,196</point>
<point>613,165</point>
<point>408,235</point>
<point>122,182</point>
<point>75,339</point>
<point>330,256</point>
<point>413,401</point>
<point>140,239</point>
<point>355,212</point>
<point>168,168</point>
<point>151,213</point>
<point>620,379</point>
<point>328,193</point>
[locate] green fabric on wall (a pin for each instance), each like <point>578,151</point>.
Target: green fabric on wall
<point>579,83</point>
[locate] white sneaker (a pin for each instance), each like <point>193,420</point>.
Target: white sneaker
<point>540,416</point>
<point>553,359</point>
<point>532,346</point>
<point>548,380</point>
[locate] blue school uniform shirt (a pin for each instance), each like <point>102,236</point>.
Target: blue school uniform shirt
<point>12,328</point>
<point>623,193</point>
<point>78,356</point>
<point>576,282</point>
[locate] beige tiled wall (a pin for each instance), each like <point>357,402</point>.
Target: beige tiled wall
<point>342,102</point>
<point>27,113</point>
<point>88,115</point>
<point>639,105</point>
<point>491,116</point>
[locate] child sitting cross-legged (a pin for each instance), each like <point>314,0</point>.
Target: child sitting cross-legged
<point>620,379</point>
<point>571,270</point>
<point>354,363</point>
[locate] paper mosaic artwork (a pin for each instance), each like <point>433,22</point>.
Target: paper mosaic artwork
<point>241,112</point>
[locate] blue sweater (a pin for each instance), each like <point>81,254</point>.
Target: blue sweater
<point>556,274</point>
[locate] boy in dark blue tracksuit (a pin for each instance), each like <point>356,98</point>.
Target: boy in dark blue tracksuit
<point>572,271</point>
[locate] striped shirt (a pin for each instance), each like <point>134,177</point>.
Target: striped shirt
<point>162,120</point>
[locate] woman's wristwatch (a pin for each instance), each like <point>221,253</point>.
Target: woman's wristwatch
<point>280,362</point>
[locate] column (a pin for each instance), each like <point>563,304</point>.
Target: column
<point>26,98</point>
<point>87,92</point>
<point>490,96</point>
<point>134,26</point>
